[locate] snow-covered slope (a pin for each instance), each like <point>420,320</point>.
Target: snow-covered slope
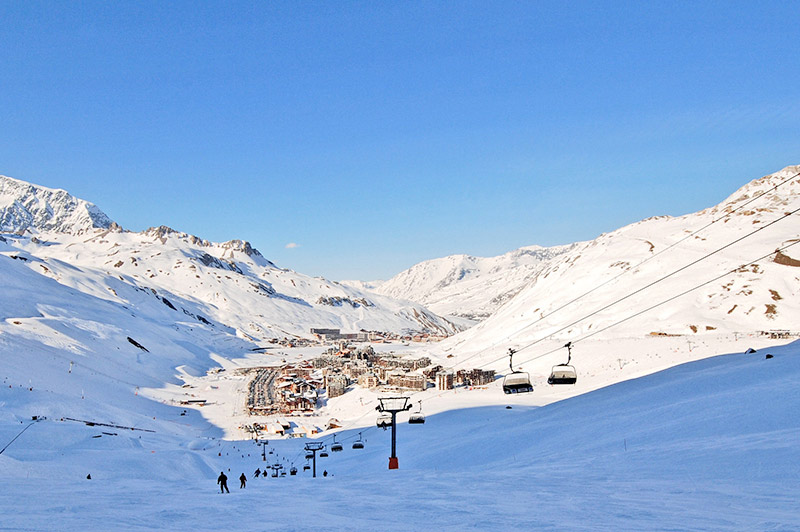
<point>598,284</point>
<point>230,282</point>
<point>91,323</point>
<point>466,286</point>
<point>469,287</point>
<point>709,445</point>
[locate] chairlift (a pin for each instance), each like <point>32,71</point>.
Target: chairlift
<point>359,443</point>
<point>306,467</point>
<point>293,471</point>
<point>324,453</point>
<point>309,456</point>
<point>516,381</point>
<point>384,420</point>
<point>335,446</point>
<point>564,373</point>
<point>417,418</point>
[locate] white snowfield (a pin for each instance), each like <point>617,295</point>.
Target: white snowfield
<point>103,332</point>
<point>710,445</point>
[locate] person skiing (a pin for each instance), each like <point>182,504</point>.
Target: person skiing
<point>222,480</point>
<point>325,473</point>
<point>243,480</point>
<point>257,472</point>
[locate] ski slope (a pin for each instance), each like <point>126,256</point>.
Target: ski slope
<point>708,445</point>
<point>103,325</point>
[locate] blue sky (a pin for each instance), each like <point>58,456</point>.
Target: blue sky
<point>374,135</point>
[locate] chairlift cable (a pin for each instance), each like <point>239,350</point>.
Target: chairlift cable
<point>786,215</point>
<point>653,283</point>
<point>671,298</point>
<point>729,272</point>
<point>632,268</point>
<point>651,257</point>
<point>587,336</point>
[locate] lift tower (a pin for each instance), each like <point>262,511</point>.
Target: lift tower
<point>313,447</point>
<point>393,405</point>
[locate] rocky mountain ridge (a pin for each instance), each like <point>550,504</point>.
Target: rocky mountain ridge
<point>25,207</point>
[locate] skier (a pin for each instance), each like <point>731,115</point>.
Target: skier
<point>257,473</point>
<point>243,480</point>
<point>325,473</point>
<point>222,480</point>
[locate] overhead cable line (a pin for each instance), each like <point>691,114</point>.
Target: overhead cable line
<point>672,298</point>
<point>17,436</point>
<point>675,272</point>
<point>632,268</point>
<point>587,336</point>
<point>638,313</point>
<point>651,284</point>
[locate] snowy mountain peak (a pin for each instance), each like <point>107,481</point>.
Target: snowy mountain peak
<point>25,207</point>
<point>163,233</point>
<point>773,197</point>
<point>466,286</point>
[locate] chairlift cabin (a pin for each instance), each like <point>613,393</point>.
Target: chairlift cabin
<point>564,373</point>
<point>359,443</point>
<point>324,453</point>
<point>384,420</point>
<point>293,471</point>
<point>417,418</point>
<point>336,446</point>
<point>516,381</point>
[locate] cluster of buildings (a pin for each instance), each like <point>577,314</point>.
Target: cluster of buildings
<point>779,334</point>
<point>332,335</point>
<point>345,366</point>
<point>291,389</point>
<point>327,335</point>
<point>377,337</point>
<point>448,379</point>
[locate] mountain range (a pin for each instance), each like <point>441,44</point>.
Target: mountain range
<point>230,284</point>
<point>133,309</point>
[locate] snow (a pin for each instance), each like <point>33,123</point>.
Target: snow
<point>467,287</point>
<point>709,445</point>
<point>29,207</point>
<point>661,432</point>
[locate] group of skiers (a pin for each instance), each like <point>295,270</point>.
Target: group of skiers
<point>222,479</point>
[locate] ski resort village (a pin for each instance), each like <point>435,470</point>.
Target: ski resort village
<point>287,399</point>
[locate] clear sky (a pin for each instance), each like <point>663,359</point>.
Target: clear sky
<point>355,139</point>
